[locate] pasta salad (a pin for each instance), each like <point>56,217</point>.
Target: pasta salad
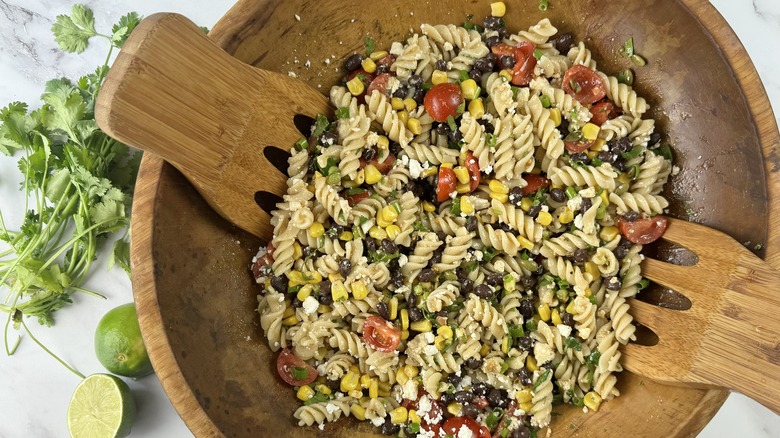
<point>456,247</point>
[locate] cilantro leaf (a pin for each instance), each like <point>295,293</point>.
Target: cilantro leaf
<point>124,28</point>
<point>72,33</point>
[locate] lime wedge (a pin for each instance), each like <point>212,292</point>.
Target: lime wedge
<point>101,407</point>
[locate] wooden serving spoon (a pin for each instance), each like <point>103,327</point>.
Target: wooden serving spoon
<point>730,336</point>
<point>222,123</point>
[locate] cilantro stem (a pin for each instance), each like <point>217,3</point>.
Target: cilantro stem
<point>73,370</point>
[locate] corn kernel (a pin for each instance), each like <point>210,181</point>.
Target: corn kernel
<point>368,65</point>
<point>500,197</point>
<point>477,108</point>
<point>566,216</point>
<point>288,311</point>
<point>373,388</point>
<point>571,308</point>
<point>555,317</point>
<point>414,417</point>
<point>399,415</point>
<point>484,350</point>
<point>355,393</point>
<point>349,382</point>
<point>377,233</point>
<point>345,236</point>
<point>427,206</point>
<point>462,189</point>
<point>322,308</point>
<point>410,104</point>
<point>297,250</point>
<point>421,326</point>
<point>608,234</point>
<point>338,291</point>
<point>414,126</point>
<point>445,331</point>
<point>530,363</point>
<point>316,230</point>
<point>544,312</point>
<point>555,116</point>
<point>404,319</point>
<point>590,131</point>
<point>506,74</point>
<point>440,343</point>
<point>592,400</point>
<point>455,408</point>
<point>358,412</point>
<point>379,54</point>
<point>411,371</point>
<point>403,116</point>
<point>305,393</point>
<point>401,378</point>
<point>389,213</point>
<point>360,177</point>
<point>506,343</point>
<point>323,389</point>
<point>526,204</point>
<point>304,292</point>
<point>382,223</point>
<point>365,380</point>
<point>497,186</point>
<point>382,142</point>
<point>392,231</point>
<point>355,86</point>
<point>446,165</point>
<point>525,243</point>
<point>431,171</point>
<point>466,205</point>
<point>397,103</point>
<point>354,369</point>
<point>334,277</point>
<point>373,175</point>
<point>524,395</point>
<point>544,218</point>
<point>598,145</point>
<point>392,308</point>
<point>359,290</point>
<point>438,77</point>
<point>291,321</point>
<point>526,407</point>
<point>604,198</point>
<point>592,269</point>
<point>462,174</point>
<point>404,335</point>
<point>497,9</point>
<point>469,89</point>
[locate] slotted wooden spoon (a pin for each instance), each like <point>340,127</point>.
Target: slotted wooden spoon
<point>730,336</point>
<point>173,92</point>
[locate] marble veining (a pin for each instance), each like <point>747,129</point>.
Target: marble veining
<point>35,390</point>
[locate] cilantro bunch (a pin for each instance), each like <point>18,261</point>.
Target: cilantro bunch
<point>78,184</point>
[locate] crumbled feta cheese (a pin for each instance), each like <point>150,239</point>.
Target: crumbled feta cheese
<point>372,138</point>
<point>489,169</point>
<point>543,353</point>
<point>465,432</point>
<point>402,289</point>
<point>499,265</point>
<point>378,421</point>
<point>575,203</point>
<point>321,426</point>
<point>402,260</point>
<point>331,408</point>
<point>675,170</point>
<point>564,330</point>
<point>430,350</point>
<point>410,389</point>
<point>588,193</point>
<point>327,61</point>
<point>396,48</point>
<point>310,305</point>
<point>579,221</point>
<point>415,169</point>
<point>393,84</point>
<point>479,255</point>
<point>297,17</point>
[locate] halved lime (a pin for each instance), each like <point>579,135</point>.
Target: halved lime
<point>101,407</point>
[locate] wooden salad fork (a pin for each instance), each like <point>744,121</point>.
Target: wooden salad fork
<point>224,124</point>
<point>730,336</point>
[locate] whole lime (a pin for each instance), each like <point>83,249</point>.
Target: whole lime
<point>119,345</point>
<point>101,407</point>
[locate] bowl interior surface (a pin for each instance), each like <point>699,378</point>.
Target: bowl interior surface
<point>205,337</point>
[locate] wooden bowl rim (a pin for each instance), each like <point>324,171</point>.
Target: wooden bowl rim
<point>224,34</point>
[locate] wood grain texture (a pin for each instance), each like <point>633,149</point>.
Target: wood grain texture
<point>205,354</point>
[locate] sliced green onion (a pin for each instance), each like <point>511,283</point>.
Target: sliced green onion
<point>455,207</point>
<point>302,144</point>
<point>544,5</point>
<point>571,192</point>
<point>545,101</point>
<point>427,86</point>
<point>626,77</point>
<point>451,123</point>
<point>664,151</point>
<point>628,47</point>
<point>538,54</point>
<point>463,75</point>
<point>299,373</point>
<point>638,60</point>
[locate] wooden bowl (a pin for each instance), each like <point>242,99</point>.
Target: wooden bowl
<point>196,300</point>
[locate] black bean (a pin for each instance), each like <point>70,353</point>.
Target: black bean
<point>344,79</point>
<point>475,74</point>
<point>529,282</point>
<point>370,247</point>
<point>614,284</point>
<point>427,275</point>
<point>516,196</point>
<point>620,145</point>
<point>381,68</point>
<point>401,91</point>
<point>473,363</point>
<point>525,376</point>
<point>495,279</point>
<point>369,154</point>
<point>279,283</point>
<point>353,62</point>
<point>436,257</point>
<point>382,310</point>
<point>503,32</point>
<point>412,300</point>
<point>329,138</point>
<point>491,57</point>
<point>619,164</point>
<point>607,156</point>
<point>415,314</point>
<point>454,379</point>
<point>524,343</point>
<point>297,303</point>
<point>463,397</point>
<point>466,286</point>
<point>480,389</point>
<point>415,80</point>
<point>345,267</point>
<point>419,96</point>
<point>441,65</point>
<point>393,265</point>
<point>631,216</point>
<point>496,398</point>
<point>389,247</point>
<point>471,224</point>
<point>492,23</point>
<point>581,255</point>
<point>527,309</point>
<point>655,138</point>
<point>522,431</point>
<point>470,410</point>
<point>456,136</point>
<point>558,195</point>
<point>484,291</point>
<point>503,226</point>
<point>620,252</point>
<point>482,65</point>
<point>564,42</point>
<point>587,203</point>
<point>507,61</point>
<point>443,129</point>
<point>564,127</point>
<point>580,157</point>
<point>567,319</point>
<point>334,385</point>
<point>388,428</point>
<point>534,210</point>
<point>492,41</point>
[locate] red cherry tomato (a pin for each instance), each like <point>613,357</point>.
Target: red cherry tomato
<point>454,424</point>
<point>382,167</point>
<point>266,259</point>
<point>355,199</point>
<point>602,112</point>
<point>481,403</point>
<point>432,429</point>
<point>379,83</point>
<point>448,182</point>
<point>380,334</point>
<point>577,145</point>
<point>535,182</point>
<point>475,175</point>
<point>436,410</point>
<point>288,365</point>
<point>442,101</point>
<point>525,62</point>
<point>584,84</point>
<point>387,60</point>
<point>643,231</point>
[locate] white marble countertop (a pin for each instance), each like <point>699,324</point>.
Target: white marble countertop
<point>35,390</point>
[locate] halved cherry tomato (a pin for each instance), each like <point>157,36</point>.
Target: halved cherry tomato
<point>453,426</point>
<point>534,183</point>
<point>643,231</point>
<point>353,200</point>
<point>266,259</point>
<point>584,84</point>
<point>433,430</point>
<point>525,62</point>
<point>436,410</point>
<point>602,112</point>
<point>379,83</point>
<point>288,363</point>
<point>442,101</point>
<point>380,334</point>
<point>577,145</point>
<point>475,175</point>
<point>382,167</point>
<point>447,184</point>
